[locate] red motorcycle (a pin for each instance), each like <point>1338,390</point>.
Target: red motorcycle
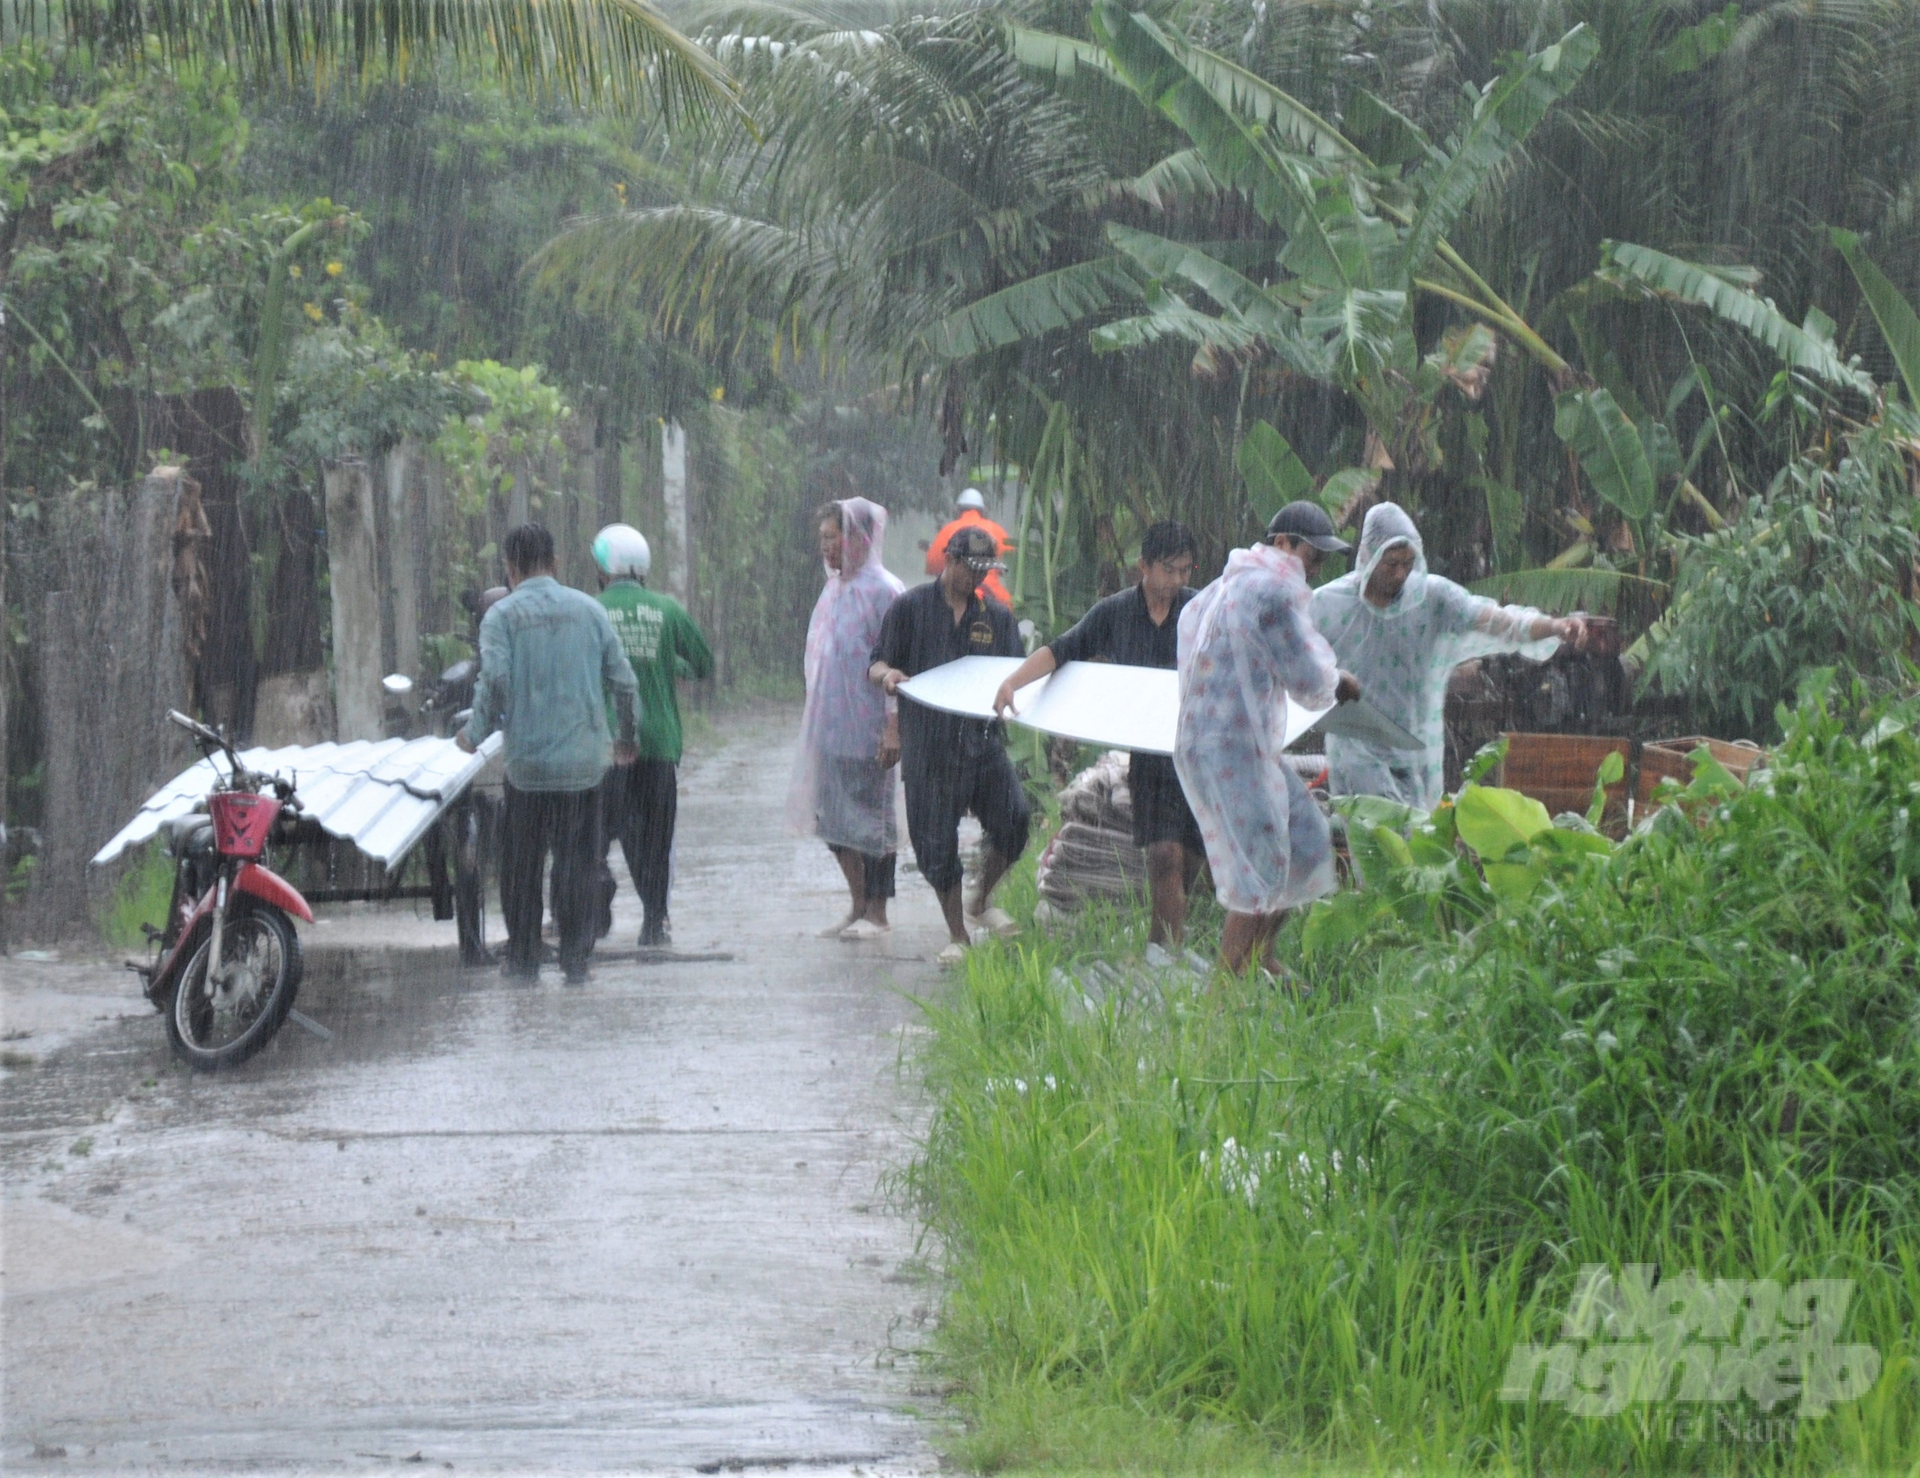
<point>228,962</point>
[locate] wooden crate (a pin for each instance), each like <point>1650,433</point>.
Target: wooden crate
<point>1663,759</point>
<point>1558,770</point>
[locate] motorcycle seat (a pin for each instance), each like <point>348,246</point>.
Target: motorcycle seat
<point>192,833</point>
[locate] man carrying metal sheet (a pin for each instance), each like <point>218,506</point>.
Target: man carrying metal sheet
<point>1401,632</point>
<point>1247,651</point>
<point>1140,627</point>
<point>548,657</point>
<point>953,764</point>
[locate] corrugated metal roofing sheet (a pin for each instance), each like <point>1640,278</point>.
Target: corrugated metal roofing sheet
<point>380,795</point>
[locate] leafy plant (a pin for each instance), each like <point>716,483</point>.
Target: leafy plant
<point>1448,870</point>
<point>489,452</point>
<point>1895,315</point>
<point>1816,572</point>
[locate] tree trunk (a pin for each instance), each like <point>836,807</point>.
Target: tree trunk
<point>209,428</point>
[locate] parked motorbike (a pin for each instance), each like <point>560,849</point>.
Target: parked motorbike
<point>449,697</point>
<point>227,964</point>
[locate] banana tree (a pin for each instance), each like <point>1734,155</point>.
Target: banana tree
<point>1360,221</point>
<point>1355,242</point>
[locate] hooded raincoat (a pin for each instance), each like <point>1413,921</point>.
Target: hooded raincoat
<point>839,791</point>
<point>1403,654</point>
<point>1247,648</point>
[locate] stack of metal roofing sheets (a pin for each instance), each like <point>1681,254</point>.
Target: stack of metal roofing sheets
<point>382,795</point>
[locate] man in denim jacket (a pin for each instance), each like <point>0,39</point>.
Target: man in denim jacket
<point>549,658</point>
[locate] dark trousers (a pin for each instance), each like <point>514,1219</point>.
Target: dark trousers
<point>566,823</point>
<point>640,803</point>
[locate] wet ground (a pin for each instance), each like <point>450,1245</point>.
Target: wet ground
<point>641,1226</point>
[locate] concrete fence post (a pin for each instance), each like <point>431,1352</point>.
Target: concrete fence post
<point>673,492</point>
<point>403,558</point>
<point>354,577</point>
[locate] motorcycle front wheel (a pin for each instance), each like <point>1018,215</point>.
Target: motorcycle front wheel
<point>218,1023</point>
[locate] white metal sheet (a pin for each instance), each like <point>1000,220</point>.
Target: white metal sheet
<point>382,795</point>
<point>1105,703</point>
<point>1361,720</point>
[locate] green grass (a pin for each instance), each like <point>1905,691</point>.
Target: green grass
<point>140,897</point>
<point>1230,1231</point>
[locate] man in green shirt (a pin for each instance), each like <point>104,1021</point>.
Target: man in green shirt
<point>641,801</point>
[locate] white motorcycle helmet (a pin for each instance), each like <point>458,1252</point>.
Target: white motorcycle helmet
<point>971,499</point>
<point>622,552</point>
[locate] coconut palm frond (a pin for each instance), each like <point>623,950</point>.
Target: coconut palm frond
<point>618,54</point>
<point>700,273</point>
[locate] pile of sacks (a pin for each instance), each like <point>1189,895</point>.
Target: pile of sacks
<point>1092,856</point>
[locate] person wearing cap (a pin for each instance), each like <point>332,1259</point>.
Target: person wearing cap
<point>970,512</point>
<point>1247,650</point>
<point>1140,627</point>
<point>641,801</point>
<point>1401,631</point>
<point>951,764</point>
<point>1303,530</point>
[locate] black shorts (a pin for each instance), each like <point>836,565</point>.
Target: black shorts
<point>1160,809</point>
<point>947,787</point>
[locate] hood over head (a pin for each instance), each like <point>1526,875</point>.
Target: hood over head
<point>1388,524</point>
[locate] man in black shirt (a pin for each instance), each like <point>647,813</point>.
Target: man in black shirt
<point>952,764</point>
<point>1140,627</point>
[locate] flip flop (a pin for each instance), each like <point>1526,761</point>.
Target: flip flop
<point>997,922</point>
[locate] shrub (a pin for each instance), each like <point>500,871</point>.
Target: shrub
<point>1817,572</point>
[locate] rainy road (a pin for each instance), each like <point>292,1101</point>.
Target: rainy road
<point>635,1227</point>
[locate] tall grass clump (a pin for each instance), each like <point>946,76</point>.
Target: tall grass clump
<point>140,897</point>
<point>1224,1226</point>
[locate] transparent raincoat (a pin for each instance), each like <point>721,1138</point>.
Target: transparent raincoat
<point>1247,648</point>
<point>839,792</point>
<point>1403,655</point>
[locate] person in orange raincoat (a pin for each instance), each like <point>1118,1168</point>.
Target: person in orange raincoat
<point>971,513</point>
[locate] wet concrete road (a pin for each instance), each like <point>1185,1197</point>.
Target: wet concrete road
<point>636,1227</point>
